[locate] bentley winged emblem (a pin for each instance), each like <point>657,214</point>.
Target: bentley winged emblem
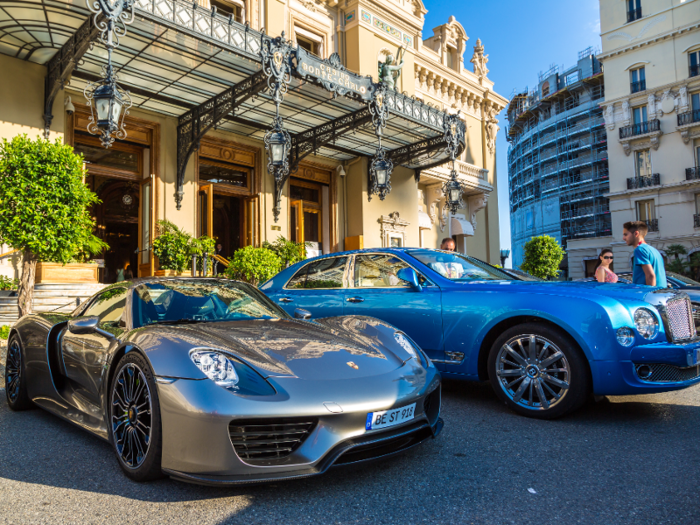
<point>352,365</point>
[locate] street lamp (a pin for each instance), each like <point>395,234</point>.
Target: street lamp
<point>380,174</point>
<point>109,103</point>
<point>453,190</point>
<point>278,143</point>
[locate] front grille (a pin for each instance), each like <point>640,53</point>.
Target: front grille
<point>269,439</point>
<point>680,319</point>
<point>666,373</point>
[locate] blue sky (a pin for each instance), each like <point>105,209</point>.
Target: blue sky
<point>522,38</point>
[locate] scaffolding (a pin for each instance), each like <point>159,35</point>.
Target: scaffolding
<point>558,152</point>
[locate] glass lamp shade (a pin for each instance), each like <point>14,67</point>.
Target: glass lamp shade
<point>381,176</point>
<point>455,194</point>
<point>108,106</point>
<point>381,171</point>
<point>278,148</point>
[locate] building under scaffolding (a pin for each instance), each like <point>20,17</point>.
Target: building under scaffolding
<point>557,159</point>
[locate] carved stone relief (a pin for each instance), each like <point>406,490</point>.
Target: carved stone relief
<point>392,226</point>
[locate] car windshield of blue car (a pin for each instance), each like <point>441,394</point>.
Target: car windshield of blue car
<point>200,300</point>
<point>458,267</point>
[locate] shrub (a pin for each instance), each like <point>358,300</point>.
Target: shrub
<point>289,252</point>
<point>254,265</point>
<point>8,284</point>
<point>4,332</point>
<point>44,206</point>
<point>543,255</point>
<point>172,246</point>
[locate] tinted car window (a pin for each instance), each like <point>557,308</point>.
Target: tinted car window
<point>325,273</point>
<point>458,267</point>
<point>201,300</point>
<point>108,306</point>
<point>379,271</point>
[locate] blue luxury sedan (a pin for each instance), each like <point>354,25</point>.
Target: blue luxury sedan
<point>544,346</point>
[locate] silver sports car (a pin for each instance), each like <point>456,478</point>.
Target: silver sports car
<point>207,380</point>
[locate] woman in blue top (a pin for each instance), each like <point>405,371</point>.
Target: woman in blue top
<point>648,263</point>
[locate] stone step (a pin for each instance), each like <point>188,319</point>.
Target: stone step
<point>57,297</point>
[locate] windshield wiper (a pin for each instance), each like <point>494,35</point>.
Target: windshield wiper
<point>179,321</point>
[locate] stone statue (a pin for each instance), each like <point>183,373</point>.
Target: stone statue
<point>626,112</point>
<point>610,117</point>
<point>491,132</point>
<point>480,60</point>
<point>389,72</point>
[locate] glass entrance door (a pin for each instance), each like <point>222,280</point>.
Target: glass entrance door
<point>146,228</point>
<point>305,216</point>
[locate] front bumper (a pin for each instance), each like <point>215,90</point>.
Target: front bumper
<point>671,367</point>
<point>196,415</point>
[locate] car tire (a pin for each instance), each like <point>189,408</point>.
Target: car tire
<point>15,376</point>
<point>547,383</point>
<point>135,429</point>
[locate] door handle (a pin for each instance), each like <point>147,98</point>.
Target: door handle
<point>286,300</point>
<point>354,299</point>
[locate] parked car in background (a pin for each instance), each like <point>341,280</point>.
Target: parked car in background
<point>544,346</point>
<point>208,381</point>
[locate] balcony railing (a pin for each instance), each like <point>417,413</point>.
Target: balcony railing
<point>696,220</point>
<point>693,71</point>
<point>634,14</point>
<point>692,173</point>
<point>640,129</point>
<point>635,183</point>
<point>640,85</point>
<point>652,224</point>
<point>689,117</point>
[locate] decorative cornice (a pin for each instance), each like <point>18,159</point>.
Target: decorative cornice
<point>652,40</point>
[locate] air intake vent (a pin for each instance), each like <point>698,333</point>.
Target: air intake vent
<point>269,439</point>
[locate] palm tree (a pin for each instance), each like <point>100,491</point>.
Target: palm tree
<point>676,250</point>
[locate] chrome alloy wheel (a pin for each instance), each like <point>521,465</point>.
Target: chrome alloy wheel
<point>131,415</point>
<point>533,372</point>
<point>13,370</point>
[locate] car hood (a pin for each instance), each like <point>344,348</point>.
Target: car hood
<point>331,349</point>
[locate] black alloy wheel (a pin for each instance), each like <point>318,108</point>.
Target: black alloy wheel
<point>135,419</point>
<point>15,383</point>
<point>538,371</point>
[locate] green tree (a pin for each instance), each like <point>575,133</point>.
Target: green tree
<point>253,265</point>
<point>172,246</point>
<point>543,255</point>
<point>675,250</point>
<point>44,206</point>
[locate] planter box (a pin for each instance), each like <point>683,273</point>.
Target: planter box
<point>70,273</point>
<point>169,273</point>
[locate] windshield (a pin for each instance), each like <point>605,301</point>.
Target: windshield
<point>195,300</point>
<point>458,267</point>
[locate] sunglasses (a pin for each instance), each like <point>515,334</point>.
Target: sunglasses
<point>608,257</point>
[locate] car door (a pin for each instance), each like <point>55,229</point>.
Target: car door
<point>84,355</point>
<point>377,292</point>
<point>318,287</point>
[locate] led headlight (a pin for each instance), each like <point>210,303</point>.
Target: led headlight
<point>646,323</point>
<point>216,367</point>
<point>230,373</point>
<point>625,336</point>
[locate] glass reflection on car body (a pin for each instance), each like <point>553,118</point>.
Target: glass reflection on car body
<point>200,301</point>
<point>458,267</point>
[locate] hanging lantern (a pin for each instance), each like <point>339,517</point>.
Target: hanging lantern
<point>278,147</point>
<point>453,190</point>
<point>380,175</point>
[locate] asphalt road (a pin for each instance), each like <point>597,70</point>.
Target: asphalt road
<point>625,460</point>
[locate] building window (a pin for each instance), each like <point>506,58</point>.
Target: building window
<point>545,89</point>
<point>697,203</point>
<point>646,210</point>
<point>312,42</point>
<point>639,115</point>
<point>694,63</point>
<point>638,80</point>
<point>233,8</point>
<point>634,10</point>
<point>642,160</point>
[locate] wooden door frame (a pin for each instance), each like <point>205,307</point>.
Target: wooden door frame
<point>139,131</point>
<point>323,174</point>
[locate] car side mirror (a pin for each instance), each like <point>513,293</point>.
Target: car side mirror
<point>300,313</point>
<point>410,276</point>
<point>83,325</point>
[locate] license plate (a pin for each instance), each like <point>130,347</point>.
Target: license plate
<point>389,418</point>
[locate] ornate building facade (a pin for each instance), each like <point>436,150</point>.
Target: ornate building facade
<point>179,56</point>
<point>651,59</point>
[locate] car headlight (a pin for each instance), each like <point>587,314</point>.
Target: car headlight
<point>412,349</point>
<point>625,336</point>
<point>230,373</point>
<point>646,323</point>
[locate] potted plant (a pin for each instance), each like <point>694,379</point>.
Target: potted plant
<point>253,265</point>
<point>44,208</point>
<point>172,247</point>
